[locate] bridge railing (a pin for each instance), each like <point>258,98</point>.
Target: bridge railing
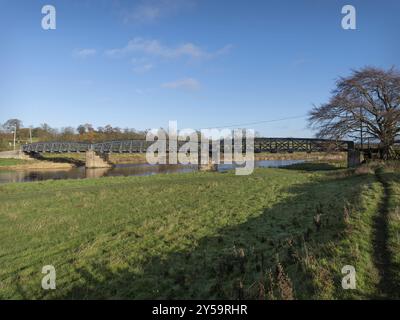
<point>55,147</point>
<point>141,146</point>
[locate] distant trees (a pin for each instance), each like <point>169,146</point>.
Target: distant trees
<point>81,129</point>
<point>67,134</point>
<point>44,132</point>
<point>108,132</point>
<point>11,125</point>
<point>85,128</point>
<point>7,132</point>
<point>367,102</point>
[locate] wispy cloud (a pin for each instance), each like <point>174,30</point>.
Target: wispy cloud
<point>156,49</point>
<point>84,53</point>
<point>149,11</point>
<point>142,65</point>
<point>188,84</point>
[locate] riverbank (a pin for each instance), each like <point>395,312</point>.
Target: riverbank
<point>20,165</point>
<point>278,233</point>
<point>140,158</point>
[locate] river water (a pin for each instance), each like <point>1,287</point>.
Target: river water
<point>120,170</point>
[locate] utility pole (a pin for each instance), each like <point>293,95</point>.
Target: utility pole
<point>30,133</point>
<point>361,129</point>
<point>15,135</point>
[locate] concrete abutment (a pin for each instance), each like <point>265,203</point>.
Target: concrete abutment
<point>95,160</point>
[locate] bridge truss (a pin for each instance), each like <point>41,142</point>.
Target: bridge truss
<point>273,145</point>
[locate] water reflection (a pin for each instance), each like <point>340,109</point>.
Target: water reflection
<point>96,172</point>
<point>119,170</point>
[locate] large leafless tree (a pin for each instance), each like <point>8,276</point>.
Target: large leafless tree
<point>367,101</point>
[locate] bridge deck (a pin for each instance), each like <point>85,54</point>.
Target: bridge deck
<point>274,145</point>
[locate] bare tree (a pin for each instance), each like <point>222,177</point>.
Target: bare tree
<point>367,101</point>
<point>81,129</point>
<point>12,124</point>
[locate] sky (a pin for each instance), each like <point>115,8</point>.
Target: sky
<point>203,63</point>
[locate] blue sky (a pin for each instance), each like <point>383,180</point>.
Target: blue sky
<point>203,63</point>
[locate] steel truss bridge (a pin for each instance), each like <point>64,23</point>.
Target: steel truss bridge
<point>273,145</point>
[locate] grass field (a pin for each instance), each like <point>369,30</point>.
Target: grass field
<point>276,234</point>
<point>11,162</point>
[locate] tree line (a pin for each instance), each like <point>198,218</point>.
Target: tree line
<point>44,132</point>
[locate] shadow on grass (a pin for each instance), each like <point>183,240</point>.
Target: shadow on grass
<point>387,230</point>
<point>238,262</point>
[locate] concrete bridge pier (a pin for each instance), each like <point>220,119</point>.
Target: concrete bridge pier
<point>353,158</point>
<point>209,166</point>
<point>94,160</point>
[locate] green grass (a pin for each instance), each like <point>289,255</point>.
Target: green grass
<point>195,235</point>
<point>11,162</point>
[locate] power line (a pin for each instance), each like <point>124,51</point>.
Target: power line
<point>257,122</point>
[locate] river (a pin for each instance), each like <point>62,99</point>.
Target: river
<point>120,170</point>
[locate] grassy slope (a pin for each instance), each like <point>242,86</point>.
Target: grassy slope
<point>11,162</point>
<point>200,235</point>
